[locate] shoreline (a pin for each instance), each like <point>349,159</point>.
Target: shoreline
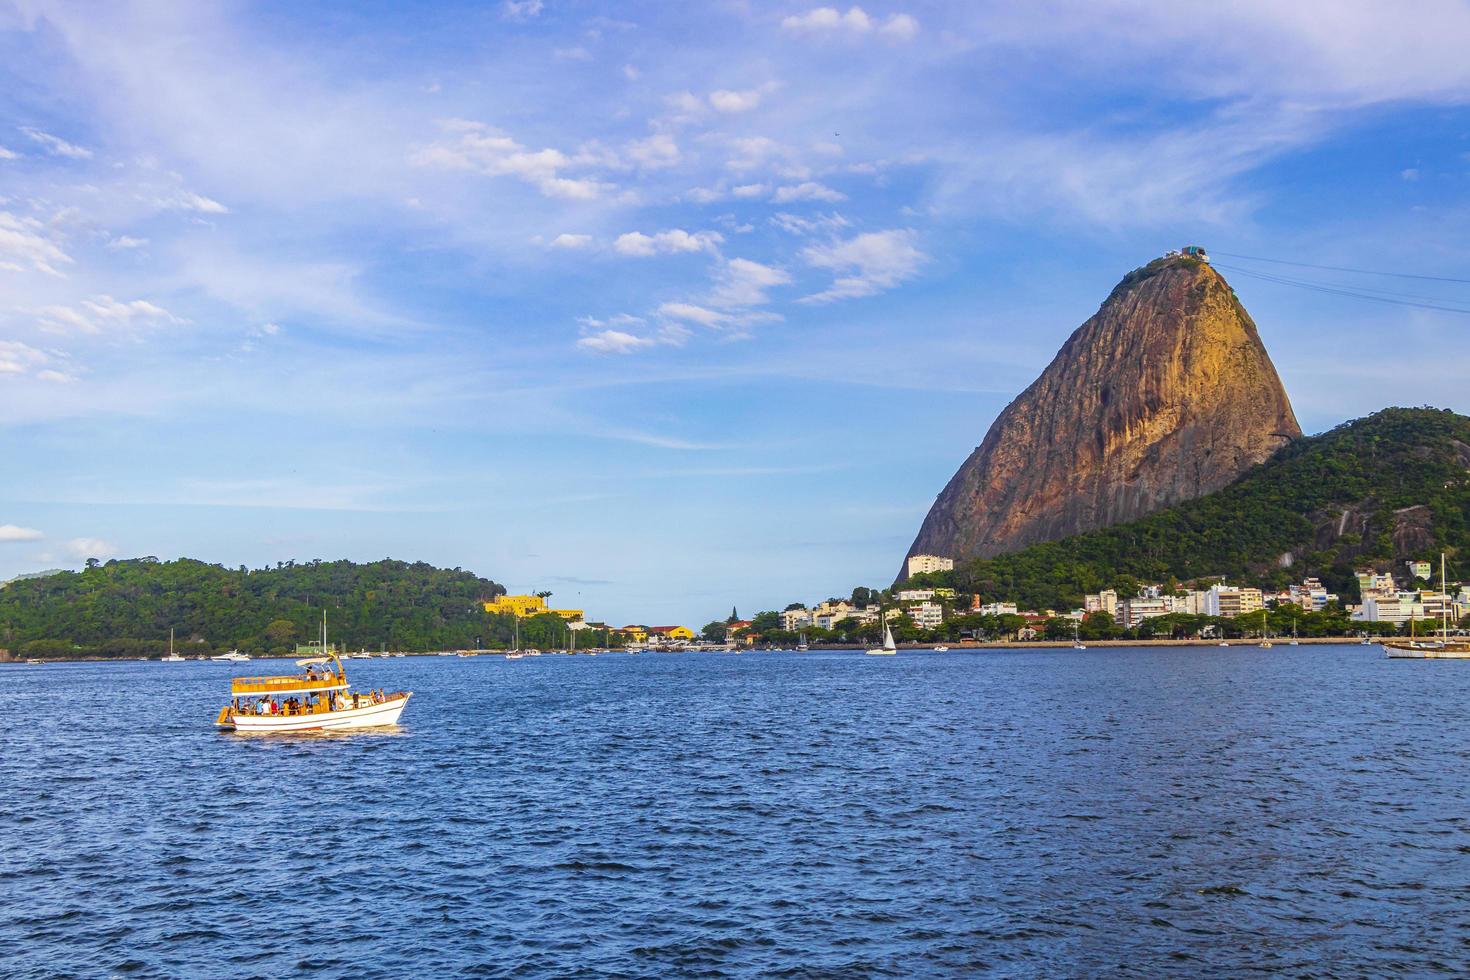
<point>954,647</point>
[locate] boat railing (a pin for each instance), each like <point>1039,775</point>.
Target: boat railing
<point>278,683</point>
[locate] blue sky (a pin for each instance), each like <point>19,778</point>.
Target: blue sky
<point>664,307</point>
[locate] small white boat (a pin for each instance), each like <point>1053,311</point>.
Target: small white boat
<point>400,654</point>
<point>445,653</point>
<point>1077,643</point>
<point>172,658</point>
<point>233,657</point>
<point>1223,643</point>
<point>35,661</point>
<point>941,649</point>
<point>889,648</point>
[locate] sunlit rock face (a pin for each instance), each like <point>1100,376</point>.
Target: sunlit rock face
<point>1164,395</point>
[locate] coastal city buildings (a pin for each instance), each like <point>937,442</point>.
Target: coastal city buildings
<point>931,607</point>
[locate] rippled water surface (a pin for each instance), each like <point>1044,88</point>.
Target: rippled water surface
<point>1147,811</point>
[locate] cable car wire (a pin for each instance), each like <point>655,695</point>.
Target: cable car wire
<point>1338,268</point>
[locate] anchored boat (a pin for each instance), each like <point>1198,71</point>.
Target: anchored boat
<point>1446,647</point>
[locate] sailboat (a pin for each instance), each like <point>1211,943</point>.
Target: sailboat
<point>1265,643</point>
<point>172,658</point>
<point>1443,648</point>
<point>802,646</point>
<point>889,648</point>
<point>1293,641</point>
<point>1077,643</point>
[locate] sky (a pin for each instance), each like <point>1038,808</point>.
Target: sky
<point>666,308</point>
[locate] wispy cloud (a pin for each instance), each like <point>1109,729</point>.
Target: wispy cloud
<point>57,146</point>
<point>866,264</point>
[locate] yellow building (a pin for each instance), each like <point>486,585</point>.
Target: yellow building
<point>527,605</point>
<point>635,633</point>
<point>671,632</point>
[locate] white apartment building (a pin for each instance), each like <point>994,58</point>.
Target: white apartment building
<point>926,615</point>
<point>916,595</point>
<point>1384,609</point>
<point>999,609</point>
<point>918,564</point>
<point>1133,611</point>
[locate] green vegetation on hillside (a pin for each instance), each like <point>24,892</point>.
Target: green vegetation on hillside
<point>125,608</point>
<point>1330,501</point>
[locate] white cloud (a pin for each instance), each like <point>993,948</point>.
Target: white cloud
<point>483,150</point>
<point>102,313</point>
<point>866,264</point>
<point>21,360</point>
<point>741,282</point>
<point>807,191</point>
<point>57,146</point>
<point>631,72</point>
<point>521,10</point>
<point>1412,173</point>
<point>797,225</point>
<point>126,242</point>
<point>565,240</point>
<point>748,191</point>
<point>189,201</point>
<point>81,549</point>
<point>856,22</point>
<point>694,314</point>
<point>26,244</point>
<point>614,342</point>
<point>656,151</point>
<point>900,27</point>
<point>705,195</point>
<point>726,100</point>
<point>12,532</point>
<point>6,154</point>
<point>674,240</point>
<point>578,53</point>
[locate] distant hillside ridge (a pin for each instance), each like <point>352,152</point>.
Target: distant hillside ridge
<point>1165,394</point>
<point>115,607</point>
<point>1372,492</point>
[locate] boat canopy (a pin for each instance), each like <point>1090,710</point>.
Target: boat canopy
<point>312,661</point>
<point>287,684</point>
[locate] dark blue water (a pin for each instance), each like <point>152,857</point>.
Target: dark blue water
<point>1037,813</point>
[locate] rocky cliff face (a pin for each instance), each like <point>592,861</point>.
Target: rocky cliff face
<point>1164,395</point>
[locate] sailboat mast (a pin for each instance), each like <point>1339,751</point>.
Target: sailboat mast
<point>1444,600</point>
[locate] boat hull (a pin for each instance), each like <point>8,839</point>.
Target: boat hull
<point>1453,652</point>
<point>367,716</point>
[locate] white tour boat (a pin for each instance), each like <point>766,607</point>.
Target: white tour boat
<point>233,657</point>
<point>318,700</point>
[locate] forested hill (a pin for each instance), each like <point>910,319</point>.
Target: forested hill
<point>125,607</point>
<point>1375,491</point>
